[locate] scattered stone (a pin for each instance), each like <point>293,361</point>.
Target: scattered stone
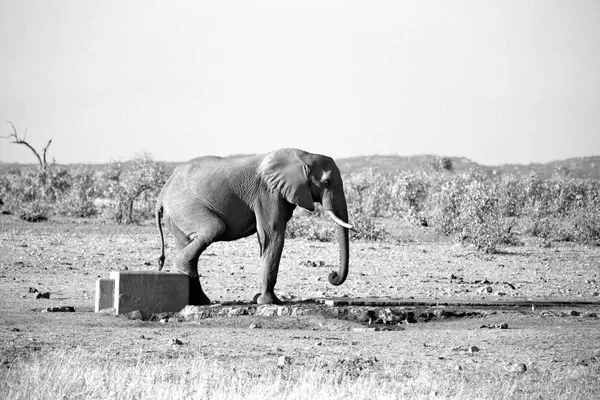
<point>190,313</point>
<point>255,325</point>
<point>163,320</point>
<point>590,315</point>
<point>517,368</point>
<point>60,309</point>
<point>458,368</point>
<point>44,295</point>
<point>473,349</point>
<point>267,310</point>
<point>391,317</point>
<point>33,290</point>
<point>372,329</point>
<point>500,293</point>
<point>176,341</point>
<point>234,312</point>
<point>485,289</point>
<point>574,313</point>
<point>284,361</point>
<point>137,314</point>
<point>15,330</point>
<point>503,325</point>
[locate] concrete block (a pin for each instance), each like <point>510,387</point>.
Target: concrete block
<point>105,289</point>
<point>150,291</point>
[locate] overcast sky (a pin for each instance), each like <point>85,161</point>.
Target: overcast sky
<point>494,81</point>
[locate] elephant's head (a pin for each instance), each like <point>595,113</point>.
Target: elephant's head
<point>302,179</point>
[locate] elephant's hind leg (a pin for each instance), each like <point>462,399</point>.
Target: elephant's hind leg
<point>187,259</point>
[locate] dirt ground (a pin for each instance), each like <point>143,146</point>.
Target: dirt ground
<point>66,257</point>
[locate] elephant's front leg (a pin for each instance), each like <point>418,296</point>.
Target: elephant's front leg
<point>271,247</point>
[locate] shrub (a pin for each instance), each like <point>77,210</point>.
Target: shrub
<point>84,190</point>
<point>318,226</point>
<point>368,192</point>
<point>469,208</point>
<point>408,195</point>
<point>33,194</point>
<point>125,185</point>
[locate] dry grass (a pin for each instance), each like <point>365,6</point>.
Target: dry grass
<point>79,374</point>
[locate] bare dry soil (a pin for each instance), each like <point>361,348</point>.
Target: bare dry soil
<point>65,258</point>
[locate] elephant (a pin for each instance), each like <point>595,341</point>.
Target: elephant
<point>211,199</point>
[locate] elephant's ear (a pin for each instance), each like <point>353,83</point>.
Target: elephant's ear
<point>285,173</point>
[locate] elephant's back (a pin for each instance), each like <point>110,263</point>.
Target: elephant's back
<point>206,176</point>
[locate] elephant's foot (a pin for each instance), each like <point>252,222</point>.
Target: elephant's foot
<point>199,299</point>
<point>197,295</point>
<point>267,298</point>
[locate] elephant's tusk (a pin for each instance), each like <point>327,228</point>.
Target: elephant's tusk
<point>338,221</point>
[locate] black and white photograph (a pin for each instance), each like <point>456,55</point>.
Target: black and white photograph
<point>335,199</point>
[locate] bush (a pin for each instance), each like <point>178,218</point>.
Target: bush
<point>33,194</point>
<point>408,196</point>
<point>142,179</point>
<point>470,209</point>
<point>318,226</point>
<point>368,192</point>
<point>84,190</point>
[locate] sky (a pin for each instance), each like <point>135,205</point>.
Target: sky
<point>498,82</point>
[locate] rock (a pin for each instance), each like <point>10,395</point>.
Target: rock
<point>503,325</point>
<point>137,314</point>
<point>176,341</point>
<point>517,368</point>
<point>374,329</point>
<point>267,310</point>
<point>40,295</point>
<point>574,313</point>
<point>33,290</point>
<point>255,325</point>
<point>284,361</point>
<point>60,309</point>
<point>190,313</point>
<point>458,368</point>
<point>234,312</point>
<point>485,289</point>
<point>473,349</point>
<point>389,316</point>
<point>284,311</point>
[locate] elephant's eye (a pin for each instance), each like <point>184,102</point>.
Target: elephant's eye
<point>325,183</point>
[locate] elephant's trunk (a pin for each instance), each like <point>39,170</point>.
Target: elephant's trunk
<point>337,278</point>
<point>338,212</point>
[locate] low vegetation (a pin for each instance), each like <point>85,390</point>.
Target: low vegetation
<point>77,374</point>
<point>476,206</point>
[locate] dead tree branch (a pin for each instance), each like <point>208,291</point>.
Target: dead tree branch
<point>17,140</point>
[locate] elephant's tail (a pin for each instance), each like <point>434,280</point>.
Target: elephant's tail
<point>159,214</point>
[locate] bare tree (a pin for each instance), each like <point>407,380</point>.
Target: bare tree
<point>16,139</point>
